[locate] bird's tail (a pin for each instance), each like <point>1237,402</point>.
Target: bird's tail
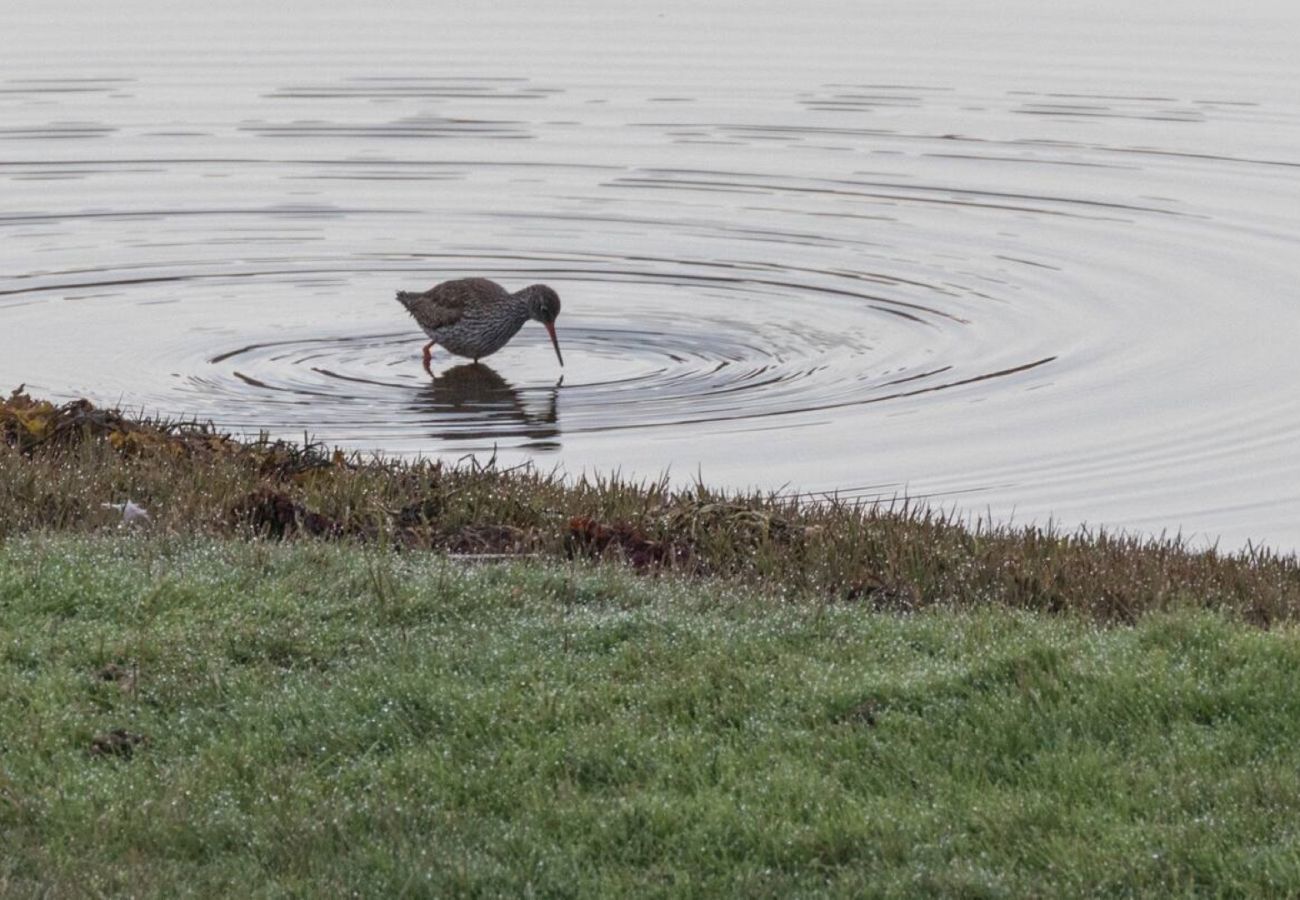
<point>406,298</point>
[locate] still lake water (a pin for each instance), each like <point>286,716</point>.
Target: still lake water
<point>1025,262</point>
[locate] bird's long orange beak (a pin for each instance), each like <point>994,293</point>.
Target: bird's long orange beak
<point>550,328</point>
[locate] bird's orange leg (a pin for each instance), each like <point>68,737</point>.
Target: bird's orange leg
<point>428,355</point>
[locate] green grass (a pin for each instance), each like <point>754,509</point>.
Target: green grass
<point>334,719</point>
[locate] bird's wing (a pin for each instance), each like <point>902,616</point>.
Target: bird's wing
<point>445,304</point>
<point>434,309</point>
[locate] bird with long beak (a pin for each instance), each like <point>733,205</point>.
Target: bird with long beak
<point>476,317</point>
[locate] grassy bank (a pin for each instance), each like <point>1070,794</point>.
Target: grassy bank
<point>216,716</point>
<point>313,673</point>
<point>60,466</point>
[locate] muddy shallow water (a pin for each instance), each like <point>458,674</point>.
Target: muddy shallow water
<point>1034,264</point>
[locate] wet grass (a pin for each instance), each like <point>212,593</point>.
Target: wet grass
<point>214,716</point>
<point>60,465</point>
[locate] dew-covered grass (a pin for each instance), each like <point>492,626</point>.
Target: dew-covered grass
<point>327,719</point>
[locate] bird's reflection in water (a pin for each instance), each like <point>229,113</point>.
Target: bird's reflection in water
<point>473,402</point>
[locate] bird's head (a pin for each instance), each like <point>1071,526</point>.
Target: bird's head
<point>544,306</point>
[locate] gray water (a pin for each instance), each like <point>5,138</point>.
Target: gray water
<point>1023,262</point>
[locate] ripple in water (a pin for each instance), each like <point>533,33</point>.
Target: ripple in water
<point>1071,301</point>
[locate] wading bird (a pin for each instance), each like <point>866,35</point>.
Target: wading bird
<point>476,317</point>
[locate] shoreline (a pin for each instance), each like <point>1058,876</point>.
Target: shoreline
<point>64,467</point>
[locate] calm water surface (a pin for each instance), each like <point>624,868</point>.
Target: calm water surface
<point>1024,262</point>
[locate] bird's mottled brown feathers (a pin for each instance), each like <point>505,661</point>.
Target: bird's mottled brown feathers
<point>445,304</point>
